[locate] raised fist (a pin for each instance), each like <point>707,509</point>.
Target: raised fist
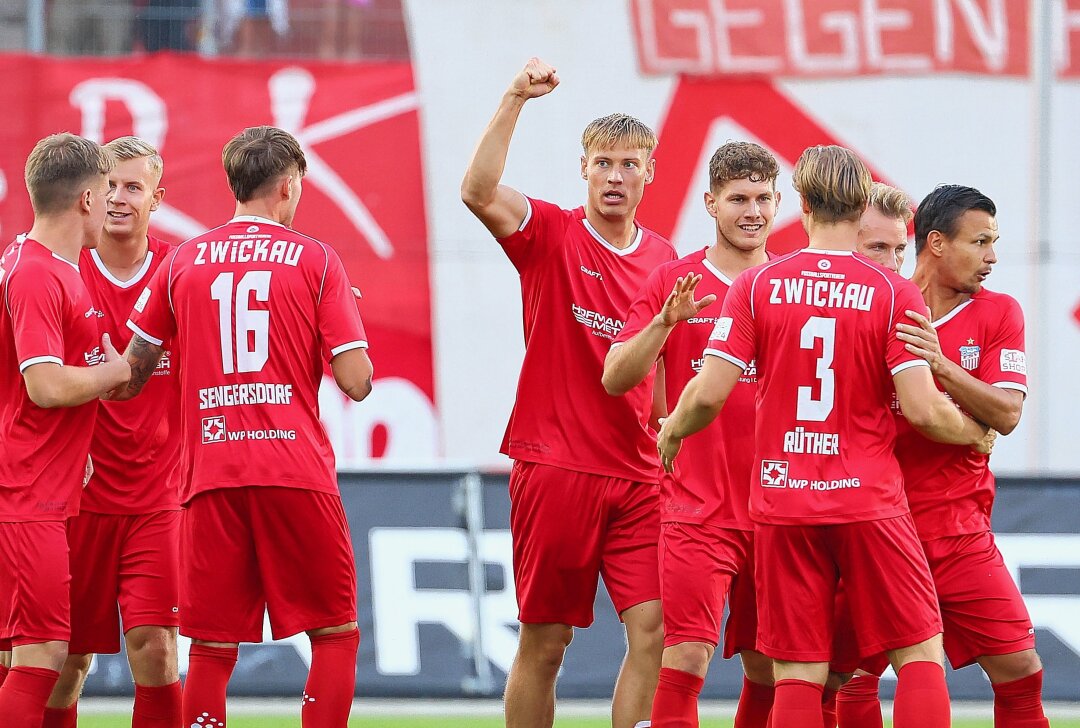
<point>535,80</point>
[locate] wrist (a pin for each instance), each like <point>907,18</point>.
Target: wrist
<point>514,98</point>
<point>660,323</point>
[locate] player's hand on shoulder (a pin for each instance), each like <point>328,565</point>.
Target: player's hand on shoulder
<point>921,339</point>
<point>535,80</point>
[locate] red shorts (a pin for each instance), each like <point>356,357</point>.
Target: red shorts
<point>698,566</point>
<point>568,528</point>
<point>283,550</point>
<point>125,561</point>
<point>881,563</point>
<point>35,604</point>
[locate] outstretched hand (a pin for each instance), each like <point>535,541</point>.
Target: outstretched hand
<point>680,304</point>
<point>535,80</point>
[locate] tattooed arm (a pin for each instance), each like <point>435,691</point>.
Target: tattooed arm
<point>143,357</point>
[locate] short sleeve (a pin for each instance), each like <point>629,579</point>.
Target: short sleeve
<point>152,317</point>
<point>1004,364</point>
<point>540,232</point>
<point>643,310</point>
<point>734,337</point>
<point>907,298</point>
<point>36,305</point>
<point>340,326</point>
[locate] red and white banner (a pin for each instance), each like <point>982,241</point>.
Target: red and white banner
<point>363,193</point>
<point>847,37</point>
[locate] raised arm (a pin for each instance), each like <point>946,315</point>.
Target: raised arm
<point>997,407</point>
<point>52,385</point>
<point>502,209</point>
<point>931,413</point>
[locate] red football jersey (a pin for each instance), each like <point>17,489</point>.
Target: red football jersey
<point>711,482</point>
<point>136,444</point>
<point>47,316</point>
<point>822,328</point>
<point>253,309</point>
<point>575,290</point>
<point>950,487</point>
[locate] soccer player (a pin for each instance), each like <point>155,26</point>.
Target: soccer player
<point>883,226</point>
<point>125,541</point>
<point>706,537</point>
<point>583,490</point>
<point>827,494</point>
<point>53,370</point>
<point>256,309</point>
<point>974,342</point>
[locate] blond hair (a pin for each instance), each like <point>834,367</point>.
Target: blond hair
<point>258,156</point>
<point>132,147</point>
<point>741,160</point>
<point>891,202</point>
<point>609,131</point>
<point>59,168</point>
<point>834,182</point>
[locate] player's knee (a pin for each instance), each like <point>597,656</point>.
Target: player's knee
<point>1010,667</point>
<point>544,645</point>
<point>78,664</point>
<point>691,657</point>
<point>926,651</point>
<point>645,628</point>
<point>757,667</point>
<point>837,680</point>
<point>152,654</point>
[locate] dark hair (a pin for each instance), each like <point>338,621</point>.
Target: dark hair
<point>60,167</point>
<point>260,155</point>
<point>942,209</point>
<point>741,160</point>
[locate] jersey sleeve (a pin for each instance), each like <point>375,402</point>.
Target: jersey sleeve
<point>734,337</point>
<point>1005,361</point>
<point>36,305</point>
<point>152,317</point>
<point>538,234</point>
<point>907,298</point>
<point>643,310</point>
<point>340,326</point>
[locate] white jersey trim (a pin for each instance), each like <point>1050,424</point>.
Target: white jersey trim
<point>1011,385</point>
<point>253,219</point>
<point>629,249</point>
<point>822,251</point>
<point>951,314</point>
<point>65,260</point>
<point>615,345</point>
<point>726,357</point>
<point>104,270</point>
<point>716,271</point>
<point>153,340</point>
<point>909,365</point>
<point>348,347</point>
<point>40,360</point>
<point>528,214</point>
<point>18,258</point>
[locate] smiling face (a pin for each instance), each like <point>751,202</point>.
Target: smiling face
<point>133,195</point>
<point>882,238</point>
<point>968,256</point>
<point>744,212</point>
<point>617,177</point>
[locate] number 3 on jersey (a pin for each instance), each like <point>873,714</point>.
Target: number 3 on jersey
<point>809,409</point>
<point>251,332</point>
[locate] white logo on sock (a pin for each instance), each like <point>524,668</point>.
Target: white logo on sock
<point>205,721</point>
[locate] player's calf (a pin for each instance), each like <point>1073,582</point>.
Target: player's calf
<point>637,681</point>
<point>530,686</point>
<point>332,679</point>
<point>1017,681</point>
<point>152,656</point>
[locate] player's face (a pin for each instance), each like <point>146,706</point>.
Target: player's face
<point>968,256</point>
<point>99,205</point>
<point>133,195</point>
<point>744,212</point>
<point>882,239</point>
<point>617,179</point>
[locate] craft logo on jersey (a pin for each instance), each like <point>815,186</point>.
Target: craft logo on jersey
<point>598,323</point>
<point>774,473</point>
<point>592,273</point>
<point>94,357</point>
<point>969,357</point>
<point>1013,360</point>
<point>213,429</point>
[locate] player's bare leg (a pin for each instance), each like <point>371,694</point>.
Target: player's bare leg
<point>72,676</point>
<point>530,686</point>
<point>756,697</point>
<point>636,684</point>
<point>5,663</point>
<point>331,682</point>
<point>1017,681</point>
<point>922,698</point>
<point>151,651</point>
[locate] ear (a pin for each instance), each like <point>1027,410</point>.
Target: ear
<point>935,243</point>
<point>710,204</point>
<point>285,187</point>
<point>584,167</point>
<point>650,170</point>
<point>804,206</point>
<point>777,198</point>
<point>86,201</point>
<point>159,193</point>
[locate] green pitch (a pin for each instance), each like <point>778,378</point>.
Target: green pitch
<point>105,721</point>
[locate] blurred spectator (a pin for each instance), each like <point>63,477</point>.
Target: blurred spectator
<point>342,25</point>
<point>167,24</point>
<point>77,27</point>
<point>249,22</point>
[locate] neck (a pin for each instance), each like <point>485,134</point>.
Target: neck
<point>732,261</point>
<point>259,208</point>
<point>940,297</point>
<point>62,235</point>
<point>618,232</point>
<point>834,236</point>
<point>123,256</point>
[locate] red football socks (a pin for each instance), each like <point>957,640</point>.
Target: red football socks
<point>858,704</point>
<point>61,717</point>
<point>675,704</point>
<point>331,681</point>
<point>157,707</point>
<point>1018,704</point>
<point>828,708</point>
<point>209,670</point>
<point>755,702</point>
<point>922,698</point>
<point>797,704</point>
<point>23,697</point>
